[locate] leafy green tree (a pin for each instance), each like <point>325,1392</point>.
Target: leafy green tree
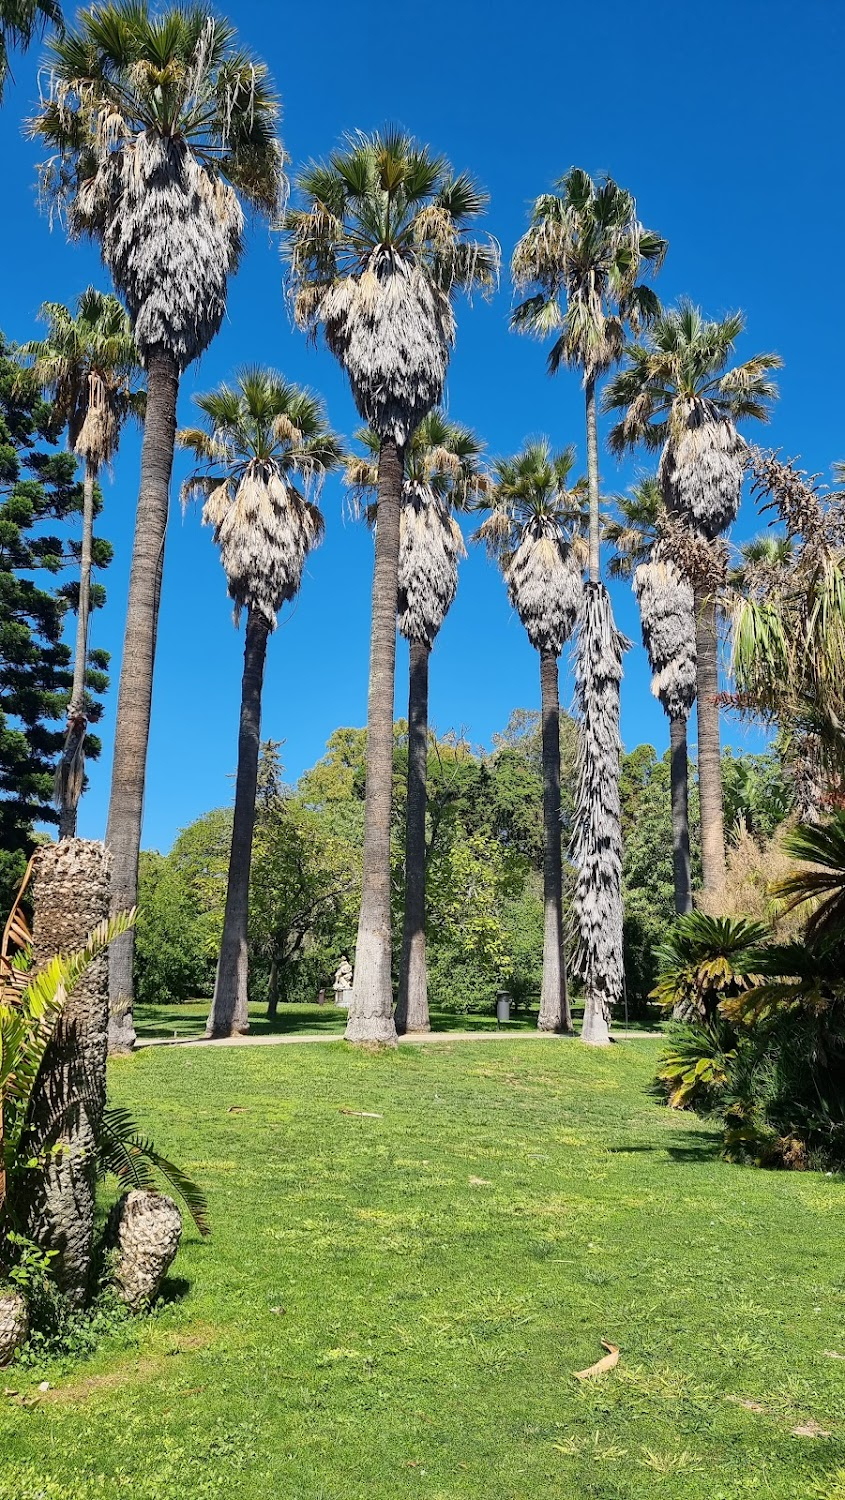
<point>580,261</point>
<point>89,364</point>
<point>39,495</point>
<point>532,532</point>
<point>180,911</point>
<point>678,396</point>
<point>376,256</point>
<point>261,438</point>
<point>191,126</point>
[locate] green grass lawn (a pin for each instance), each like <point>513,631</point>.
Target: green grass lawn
<point>189,1020</point>
<point>393,1302</point>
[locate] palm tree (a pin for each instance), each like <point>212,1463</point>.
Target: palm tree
<point>20,21</point>
<point>667,616</point>
<point>532,533</point>
<point>441,475</point>
<point>678,396</point>
<point>260,436</point>
<point>375,257</point>
<point>88,362</point>
<point>579,261</point>
<point>157,123</point>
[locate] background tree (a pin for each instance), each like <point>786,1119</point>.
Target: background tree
<point>532,533</point>
<point>579,261</point>
<point>667,616</point>
<point>191,122</point>
<point>39,495</point>
<point>375,258</point>
<point>261,435</point>
<point>677,396</point>
<point>441,474</point>
<point>89,364</point>
<point>20,22</point>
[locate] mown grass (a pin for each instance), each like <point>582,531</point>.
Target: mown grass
<point>393,1301</point>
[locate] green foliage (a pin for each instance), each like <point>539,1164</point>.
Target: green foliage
<point>39,495</point>
<point>821,848</point>
<point>132,1158</point>
<point>181,897</point>
<point>707,960</point>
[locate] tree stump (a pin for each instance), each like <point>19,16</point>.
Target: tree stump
<point>146,1228</point>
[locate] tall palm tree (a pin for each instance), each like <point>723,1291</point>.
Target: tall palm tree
<point>532,532</point>
<point>441,475</point>
<point>375,257</point>
<point>667,616</point>
<point>678,396</point>
<point>89,364</point>
<point>157,124</point>
<point>20,22</point>
<point>580,262</point>
<point>261,435</point>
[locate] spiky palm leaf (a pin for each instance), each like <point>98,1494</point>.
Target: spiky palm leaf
<point>820,847</point>
<point>705,960</point>
<point>131,1157</point>
<point>375,256</point>
<point>20,22</point>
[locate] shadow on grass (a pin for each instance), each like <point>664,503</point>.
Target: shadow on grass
<point>699,1146</point>
<point>174,1289</point>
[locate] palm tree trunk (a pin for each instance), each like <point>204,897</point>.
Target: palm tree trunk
<point>229,1015</point>
<point>72,768</point>
<point>371,1005</point>
<point>593,480</point>
<point>679,778</point>
<point>132,730</point>
<point>709,747</point>
<point>273,991</point>
<point>412,1009</point>
<point>554,1001</point>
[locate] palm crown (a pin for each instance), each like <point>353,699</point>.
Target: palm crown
<point>260,436</point>
<point>442,473</point>
<point>154,122</point>
<point>89,363</point>
<point>580,261</point>
<point>533,532</point>
<point>634,529</point>
<point>374,257</point>
<point>19,22</point>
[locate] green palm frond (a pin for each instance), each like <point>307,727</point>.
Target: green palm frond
<point>820,847</point>
<point>132,1158</point>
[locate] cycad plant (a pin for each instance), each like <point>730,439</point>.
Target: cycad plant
<point>442,475</point>
<point>157,123</point>
<point>667,617</point>
<point>262,437</point>
<point>679,397</point>
<point>533,532</point>
<point>376,254</point>
<point>89,364</point>
<point>580,263</point>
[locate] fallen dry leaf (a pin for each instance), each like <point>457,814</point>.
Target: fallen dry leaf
<point>832,1354</point>
<point>809,1428</point>
<point>237,1109</point>
<point>601,1366</point>
<point>749,1405</point>
<point>480,1182</point>
<point>361,1114</point>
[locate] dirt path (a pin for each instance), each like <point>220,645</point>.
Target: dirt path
<point>419,1039</point>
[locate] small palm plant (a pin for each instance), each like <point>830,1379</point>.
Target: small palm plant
<point>89,364</point>
<point>441,475</point>
<point>376,255</point>
<point>261,436</point>
<point>677,396</point>
<point>667,617</point>
<point>533,534</point>
<point>158,124</point>
<point>580,263</point>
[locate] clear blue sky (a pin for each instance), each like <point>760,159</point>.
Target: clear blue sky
<point>726,123</point>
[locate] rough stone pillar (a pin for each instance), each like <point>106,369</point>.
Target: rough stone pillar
<point>70,896</point>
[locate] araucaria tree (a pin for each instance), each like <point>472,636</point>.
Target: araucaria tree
<point>261,437</point>
<point>579,263</point>
<point>441,475</point>
<point>376,254</point>
<point>667,617</point>
<point>89,364</point>
<point>157,124</point>
<point>678,397</point>
<point>533,534</point>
